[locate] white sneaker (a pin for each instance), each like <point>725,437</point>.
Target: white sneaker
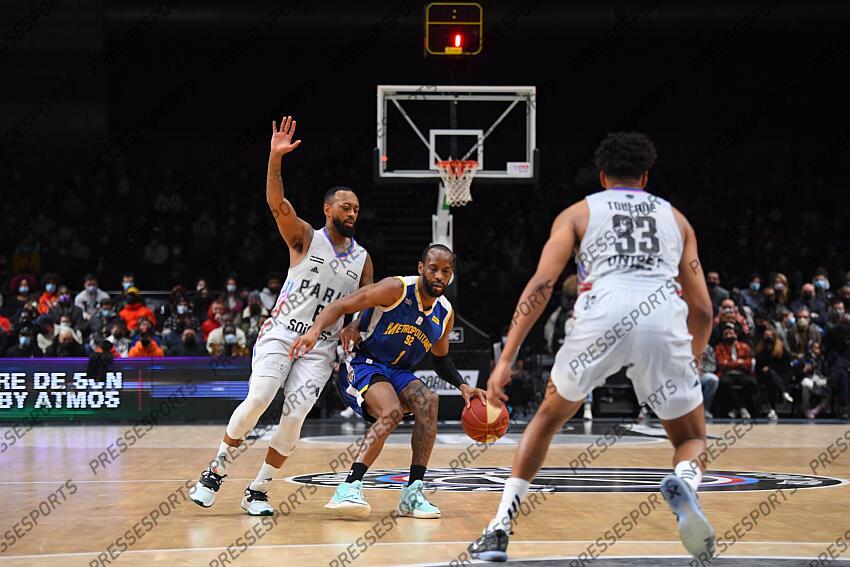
<point>256,503</point>
<point>643,415</point>
<point>709,415</point>
<point>347,413</point>
<point>788,397</point>
<point>745,414</point>
<point>588,413</point>
<point>203,493</point>
<point>771,415</point>
<point>695,531</point>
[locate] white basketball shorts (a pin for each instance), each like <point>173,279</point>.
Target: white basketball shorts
<point>642,328</point>
<point>271,359</point>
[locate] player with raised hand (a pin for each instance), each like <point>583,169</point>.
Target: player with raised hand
<point>324,264</point>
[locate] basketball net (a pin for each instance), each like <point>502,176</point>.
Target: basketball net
<point>457,176</point>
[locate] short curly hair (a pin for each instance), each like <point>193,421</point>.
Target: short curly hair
<point>625,155</point>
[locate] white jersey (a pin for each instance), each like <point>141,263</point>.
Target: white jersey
<point>322,276</point>
<point>632,237</point>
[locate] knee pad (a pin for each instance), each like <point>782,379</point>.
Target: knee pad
<point>286,437</point>
<point>245,416</point>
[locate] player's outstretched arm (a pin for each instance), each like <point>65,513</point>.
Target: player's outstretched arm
<point>445,368</point>
<point>295,231</point>
<point>384,293</point>
<point>694,289</point>
<point>556,253</point>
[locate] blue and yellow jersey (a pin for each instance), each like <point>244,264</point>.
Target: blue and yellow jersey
<point>401,334</point>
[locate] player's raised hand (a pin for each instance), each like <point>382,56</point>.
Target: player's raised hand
<point>499,379</point>
<point>282,143</point>
<point>302,345</point>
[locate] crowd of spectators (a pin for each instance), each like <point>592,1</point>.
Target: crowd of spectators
<point>45,318</point>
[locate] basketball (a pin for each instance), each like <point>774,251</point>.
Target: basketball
<point>483,423</point>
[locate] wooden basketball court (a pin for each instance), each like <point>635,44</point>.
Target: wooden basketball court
<point>89,505</point>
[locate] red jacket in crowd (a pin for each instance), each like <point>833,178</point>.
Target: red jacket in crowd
<point>741,362</point>
<point>132,312</point>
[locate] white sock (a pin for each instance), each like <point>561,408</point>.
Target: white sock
<point>264,477</point>
<point>690,472</point>
<point>512,495</point>
<point>222,459</point>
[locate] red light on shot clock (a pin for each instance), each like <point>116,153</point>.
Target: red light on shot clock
<point>458,39</point>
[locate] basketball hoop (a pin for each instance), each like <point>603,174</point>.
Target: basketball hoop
<point>457,175</point>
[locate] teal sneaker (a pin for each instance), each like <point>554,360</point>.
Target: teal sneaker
<point>348,501</point>
<point>414,503</point>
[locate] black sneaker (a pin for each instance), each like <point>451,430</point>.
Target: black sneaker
<point>203,494</point>
<point>256,503</point>
<point>492,545</point>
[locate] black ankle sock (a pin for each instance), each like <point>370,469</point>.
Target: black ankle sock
<point>356,473</point>
<point>417,472</point>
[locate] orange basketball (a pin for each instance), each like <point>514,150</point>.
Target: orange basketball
<point>483,423</point>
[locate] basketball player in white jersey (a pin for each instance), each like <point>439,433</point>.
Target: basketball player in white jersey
<point>324,265</point>
<point>636,254</point>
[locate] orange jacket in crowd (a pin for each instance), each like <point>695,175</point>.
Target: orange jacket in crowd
<point>139,349</point>
<point>131,313</point>
<point>47,301</point>
<point>743,361</point>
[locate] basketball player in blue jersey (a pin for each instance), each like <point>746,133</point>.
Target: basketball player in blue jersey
<point>643,305</point>
<point>402,319</point>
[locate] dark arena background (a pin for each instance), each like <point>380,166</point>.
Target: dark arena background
<point>140,262</point>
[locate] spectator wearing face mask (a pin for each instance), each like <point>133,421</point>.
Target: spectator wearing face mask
<point>233,303</point>
<point>128,280</point>
<point>22,287</point>
<point>773,368</point>
<point>46,332</point>
<point>145,327</point>
<point>821,282</point>
<point>253,317</point>
<point>119,337</point>
<point>274,282</point>
<point>48,298</point>
<point>769,306</point>
<point>90,299</point>
<point>813,383</point>
<point>734,367</point>
<point>232,342</point>
<point>780,286</point>
<point>835,313</point>
<point>808,300</point>
<point>64,307</point>
<point>26,346</point>
<point>787,322</point>
<point>715,292</point>
<point>218,337</point>
<point>134,309</point>
<point>188,345</point>
<point>145,346</point>
<point>65,345</point>
<point>801,337</point>
<point>728,314</point>
<point>180,319</point>
<point>101,322</point>
<point>214,316</point>
<point>752,296</point>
